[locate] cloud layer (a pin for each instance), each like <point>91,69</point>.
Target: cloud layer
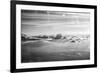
<point>53,22</point>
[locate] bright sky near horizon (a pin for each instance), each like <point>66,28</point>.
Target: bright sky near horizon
<point>35,22</point>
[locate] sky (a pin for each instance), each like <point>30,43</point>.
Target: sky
<point>36,22</point>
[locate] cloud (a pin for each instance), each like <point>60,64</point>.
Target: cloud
<point>36,22</point>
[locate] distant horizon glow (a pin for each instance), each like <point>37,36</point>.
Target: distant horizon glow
<point>53,22</point>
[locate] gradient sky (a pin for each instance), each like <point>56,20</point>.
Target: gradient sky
<point>35,22</point>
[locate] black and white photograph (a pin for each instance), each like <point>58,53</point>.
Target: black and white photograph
<point>52,36</point>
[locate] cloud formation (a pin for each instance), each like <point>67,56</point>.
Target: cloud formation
<point>53,22</point>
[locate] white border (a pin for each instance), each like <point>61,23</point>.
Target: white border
<point>20,65</point>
